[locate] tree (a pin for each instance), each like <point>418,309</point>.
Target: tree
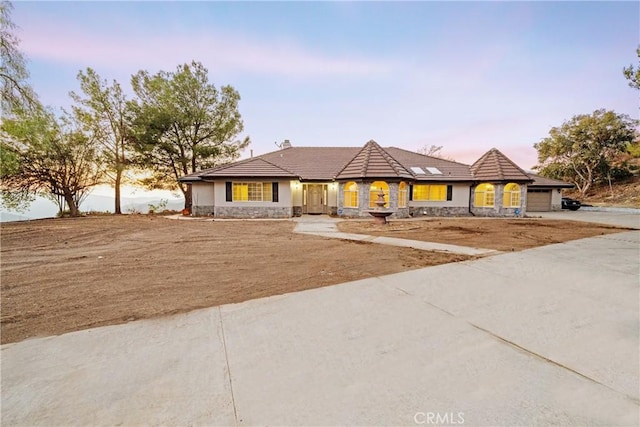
<point>433,151</point>
<point>16,93</point>
<point>105,112</point>
<point>183,124</point>
<point>583,150</point>
<point>51,157</point>
<point>633,74</point>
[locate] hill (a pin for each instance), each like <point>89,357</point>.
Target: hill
<point>621,194</point>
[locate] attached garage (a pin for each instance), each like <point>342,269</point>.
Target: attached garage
<point>538,200</point>
<point>545,194</point>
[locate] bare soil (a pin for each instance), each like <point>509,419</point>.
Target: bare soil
<point>490,233</point>
<point>63,275</point>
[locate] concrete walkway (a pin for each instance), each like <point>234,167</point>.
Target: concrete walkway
<point>326,227</point>
<point>546,336</point>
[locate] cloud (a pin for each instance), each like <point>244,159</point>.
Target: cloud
<point>219,51</point>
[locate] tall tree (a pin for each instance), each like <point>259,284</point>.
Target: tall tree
<point>53,158</point>
<point>584,148</point>
<point>632,73</point>
<point>16,92</point>
<point>104,110</point>
<point>184,124</point>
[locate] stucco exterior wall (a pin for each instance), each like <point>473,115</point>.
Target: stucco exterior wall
<point>203,198</point>
<point>210,198</point>
<point>459,199</point>
<point>556,199</point>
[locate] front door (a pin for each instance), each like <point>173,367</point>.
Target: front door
<point>314,199</point>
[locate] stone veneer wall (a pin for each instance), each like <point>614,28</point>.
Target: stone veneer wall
<point>253,212</point>
<point>202,210</point>
<point>498,210</point>
<point>416,211</point>
<point>363,201</point>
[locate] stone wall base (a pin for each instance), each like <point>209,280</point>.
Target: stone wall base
<point>416,211</point>
<point>203,210</point>
<point>297,211</point>
<point>247,212</point>
<point>499,212</point>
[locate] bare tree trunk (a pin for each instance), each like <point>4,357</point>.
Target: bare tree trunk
<point>71,203</point>
<point>118,208</point>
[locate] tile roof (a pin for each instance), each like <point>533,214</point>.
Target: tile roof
<point>373,162</point>
<point>543,181</point>
<point>370,161</point>
<point>495,166</point>
<point>313,163</point>
<point>451,171</point>
<point>253,167</point>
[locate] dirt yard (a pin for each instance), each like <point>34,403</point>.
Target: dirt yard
<point>491,233</point>
<point>69,274</point>
<point>65,275</point>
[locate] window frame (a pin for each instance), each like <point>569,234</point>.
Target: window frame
<point>252,189</point>
<point>428,188</point>
<point>351,194</point>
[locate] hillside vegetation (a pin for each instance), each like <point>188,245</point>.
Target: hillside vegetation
<point>625,193</point>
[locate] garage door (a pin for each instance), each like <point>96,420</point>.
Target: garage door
<point>538,200</point>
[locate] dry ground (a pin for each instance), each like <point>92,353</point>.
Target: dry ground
<point>64,275</point>
<point>491,233</point>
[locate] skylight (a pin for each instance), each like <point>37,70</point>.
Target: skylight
<point>417,170</point>
<point>434,171</point>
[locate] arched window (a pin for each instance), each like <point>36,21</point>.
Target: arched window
<point>402,195</point>
<point>373,193</point>
<point>351,195</point>
<point>485,196</point>
<point>511,198</point>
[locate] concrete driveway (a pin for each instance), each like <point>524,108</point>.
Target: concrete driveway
<point>547,336</point>
<point>629,218</point>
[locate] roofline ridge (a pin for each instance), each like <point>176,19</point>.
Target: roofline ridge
<point>398,167</point>
<point>430,157</point>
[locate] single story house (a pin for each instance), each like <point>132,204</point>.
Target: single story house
<point>346,181</point>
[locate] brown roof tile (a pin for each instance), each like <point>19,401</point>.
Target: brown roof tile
<point>495,166</point>
<point>254,167</point>
<point>543,181</point>
<point>373,162</point>
<point>451,171</point>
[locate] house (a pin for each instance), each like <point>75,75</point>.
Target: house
<point>346,181</point>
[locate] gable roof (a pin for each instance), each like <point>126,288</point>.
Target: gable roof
<point>495,166</point>
<point>373,162</point>
<point>543,181</point>
<point>313,163</point>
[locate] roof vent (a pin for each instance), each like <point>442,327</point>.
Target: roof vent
<point>286,144</point>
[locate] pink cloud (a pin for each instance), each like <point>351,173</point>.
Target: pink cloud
<point>224,52</point>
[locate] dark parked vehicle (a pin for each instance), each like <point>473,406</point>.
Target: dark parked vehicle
<point>572,204</point>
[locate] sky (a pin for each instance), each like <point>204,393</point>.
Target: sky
<point>467,76</point>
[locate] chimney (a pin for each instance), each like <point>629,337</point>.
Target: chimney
<point>251,151</point>
<point>286,144</point>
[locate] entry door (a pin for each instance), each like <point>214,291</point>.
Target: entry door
<point>314,199</point>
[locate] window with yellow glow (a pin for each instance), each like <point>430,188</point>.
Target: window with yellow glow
<point>373,193</point>
<point>402,195</point>
<point>422,192</point>
<point>485,196</point>
<point>511,197</point>
<point>351,195</point>
<point>252,192</point>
